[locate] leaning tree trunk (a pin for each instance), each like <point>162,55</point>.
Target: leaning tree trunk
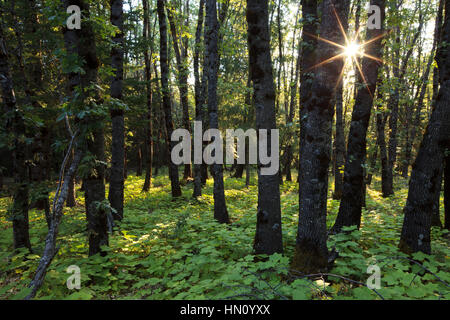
<point>311,252</point>
<point>268,236</point>
<point>71,194</point>
<point>116,184</point>
<point>212,68</point>
<point>19,211</point>
<point>425,177</point>
<point>164,64</point>
<point>354,186</point>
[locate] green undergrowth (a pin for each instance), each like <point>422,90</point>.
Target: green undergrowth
<point>173,249</point>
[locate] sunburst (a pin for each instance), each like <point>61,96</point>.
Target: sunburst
<point>351,52</point>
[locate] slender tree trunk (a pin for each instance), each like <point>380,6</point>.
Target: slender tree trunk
<point>425,176</point>
<point>339,146</point>
<point>268,237</point>
<point>71,194</point>
<point>164,64</point>
<point>148,78</point>
<point>199,102</point>
<point>116,185</point>
<point>212,68</point>
<point>292,104</point>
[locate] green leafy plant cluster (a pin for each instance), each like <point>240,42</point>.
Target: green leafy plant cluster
<point>174,249</point>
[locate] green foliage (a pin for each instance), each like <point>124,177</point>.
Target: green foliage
<point>165,249</point>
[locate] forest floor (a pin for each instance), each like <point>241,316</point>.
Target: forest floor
<point>173,249</point>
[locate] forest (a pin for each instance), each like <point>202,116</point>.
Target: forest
<point>225,149</point>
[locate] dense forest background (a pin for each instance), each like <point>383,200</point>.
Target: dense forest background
<point>359,91</point>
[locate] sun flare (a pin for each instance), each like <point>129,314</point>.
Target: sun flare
<point>352,50</point>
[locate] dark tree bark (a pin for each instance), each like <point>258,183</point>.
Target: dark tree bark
<point>149,100</point>
<point>425,175</point>
<point>353,195</point>
<point>239,171</point>
<point>268,236</point>
<point>94,184</point>
<point>311,253</point>
<point>16,124</point>
<point>212,68</point>
<point>339,156</point>
<point>436,213</point>
<point>199,102</point>
<point>164,64</point>
<point>116,184</point>
<point>125,164</point>
<point>447,192</point>
<point>393,105</point>
<point>307,61</point>
<point>381,141</point>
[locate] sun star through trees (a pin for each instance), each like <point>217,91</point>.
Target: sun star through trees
<point>350,52</point>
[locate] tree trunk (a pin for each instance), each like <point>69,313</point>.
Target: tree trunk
<point>447,192</point>
<point>425,177</point>
<point>212,68</point>
<point>239,171</point>
<point>71,194</point>
<point>268,236</point>
<point>354,186</point>
<point>94,184</point>
<point>148,79</point>
<point>116,185</point>
<point>436,213</point>
<point>125,166</point>
<point>339,158</point>
<point>199,101</point>
<point>164,64</point>
<point>19,211</point>
<point>311,253</point>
